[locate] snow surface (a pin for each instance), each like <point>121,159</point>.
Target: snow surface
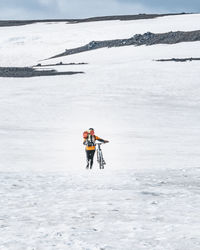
<point>27,44</point>
<point>148,195</point>
<point>157,210</point>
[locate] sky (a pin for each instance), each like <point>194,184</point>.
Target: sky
<point>44,9</point>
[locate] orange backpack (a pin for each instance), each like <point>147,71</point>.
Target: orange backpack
<point>85,134</point>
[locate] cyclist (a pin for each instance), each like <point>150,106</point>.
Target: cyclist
<point>90,146</point>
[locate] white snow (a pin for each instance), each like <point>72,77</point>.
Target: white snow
<point>151,210</point>
<point>148,195</point>
<point>26,45</point>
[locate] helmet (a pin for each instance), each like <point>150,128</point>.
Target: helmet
<point>91,131</point>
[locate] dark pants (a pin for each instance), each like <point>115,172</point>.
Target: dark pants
<point>90,157</point>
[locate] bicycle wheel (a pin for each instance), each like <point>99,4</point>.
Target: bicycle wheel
<point>99,158</point>
<point>101,163</point>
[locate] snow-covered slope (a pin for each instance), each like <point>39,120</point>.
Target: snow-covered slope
<point>148,110</point>
<point>25,45</point>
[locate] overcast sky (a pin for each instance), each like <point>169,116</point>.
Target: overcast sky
<point>33,9</point>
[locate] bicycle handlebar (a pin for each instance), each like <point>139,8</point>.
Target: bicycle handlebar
<point>100,143</point>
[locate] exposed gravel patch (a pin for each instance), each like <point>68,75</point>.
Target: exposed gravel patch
<point>6,23</point>
<point>137,40</point>
<point>178,59</point>
<point>58,64</point>
<point>31,72</point>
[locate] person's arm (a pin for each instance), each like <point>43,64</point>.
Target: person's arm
<point>101,140</point>
<point>84,142</point>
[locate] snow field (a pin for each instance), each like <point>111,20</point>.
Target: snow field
<point>26,45</point>
<point>148,195</point>
<point>148,210</point>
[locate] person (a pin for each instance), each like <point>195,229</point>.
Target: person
<point>90,146</point>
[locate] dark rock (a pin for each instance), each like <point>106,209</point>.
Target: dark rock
<point>5,23</point>
<point>92,45</point>
<point>31,72</point>
<point>179,59</point>
<point>147,38</point>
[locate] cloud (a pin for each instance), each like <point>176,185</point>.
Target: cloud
<point>23,9</point>
<point>38,9</point>
<point>170,5</point>
<point>86,8</point>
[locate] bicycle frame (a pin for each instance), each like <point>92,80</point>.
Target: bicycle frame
<point>100,158</point>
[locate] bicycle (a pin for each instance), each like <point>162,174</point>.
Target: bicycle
<point>100,158</point>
